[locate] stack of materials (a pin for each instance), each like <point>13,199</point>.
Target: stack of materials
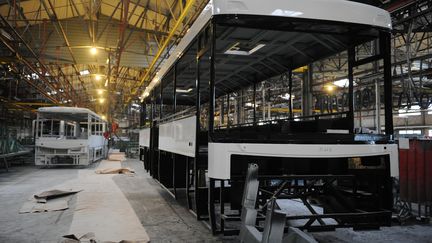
<point>117,156</point>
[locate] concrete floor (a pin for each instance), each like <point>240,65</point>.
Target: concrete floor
<point>164,219</point>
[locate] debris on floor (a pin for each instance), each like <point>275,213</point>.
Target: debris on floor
<point>117,156</point>
<point>126,171</point>
<point>36,207</point>
<point>91,238</point>
<point>51,194</point>
<point>46,201</point>
<point>103,209</point>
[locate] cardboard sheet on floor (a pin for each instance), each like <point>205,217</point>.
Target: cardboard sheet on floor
<point>103,209</point>
<point>44,196</point>
<point>126,171</point>
<point>119,156</point>
<point>88,237</point>
<point>52,205</point>
<point>91,238</point>
<point>49,200</point>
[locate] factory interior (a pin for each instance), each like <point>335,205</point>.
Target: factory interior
<point>215,121</point>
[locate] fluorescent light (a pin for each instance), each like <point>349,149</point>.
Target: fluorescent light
<point>236,49</point>
<point>183,90</point>
<point>256,48</point>
<point>84,72</point>
<point>98,77</point>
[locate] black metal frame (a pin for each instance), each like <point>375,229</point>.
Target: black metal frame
<point>193,169</point>
<point>288,187</point>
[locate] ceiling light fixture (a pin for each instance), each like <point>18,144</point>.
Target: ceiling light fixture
<point>183,90</point>
<point>84,72</point>
<point>329,88</point>
<point>242,49</point>
<point>93,50</point>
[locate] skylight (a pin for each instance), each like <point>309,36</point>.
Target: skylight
<point>343,83</point>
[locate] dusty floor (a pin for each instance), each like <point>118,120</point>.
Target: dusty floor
<point>162,217</point>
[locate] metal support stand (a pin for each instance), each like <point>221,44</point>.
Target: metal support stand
<point>5,163</point>
<point>274,224</point>
<point>188,183</point>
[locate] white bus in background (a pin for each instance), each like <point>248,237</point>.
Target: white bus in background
<point>69,136</point>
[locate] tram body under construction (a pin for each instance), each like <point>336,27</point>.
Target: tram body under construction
<point>69,136</point>
<point>196,141</point>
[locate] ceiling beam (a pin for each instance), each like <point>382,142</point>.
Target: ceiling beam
<point>162,49</point>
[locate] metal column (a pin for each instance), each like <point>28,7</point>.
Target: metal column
<point>351,60</point>
<point>385,50</point>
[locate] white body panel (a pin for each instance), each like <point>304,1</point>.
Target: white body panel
<point>67,110</point>
<point>219,156</point>
<point>144,137</point>
<point>81,150</point>
<point>95,141</point>
<point>178,136</point>
<point>330,10</point>
<point>55,143</point>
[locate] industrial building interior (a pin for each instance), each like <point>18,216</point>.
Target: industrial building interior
<point>204,121</point>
